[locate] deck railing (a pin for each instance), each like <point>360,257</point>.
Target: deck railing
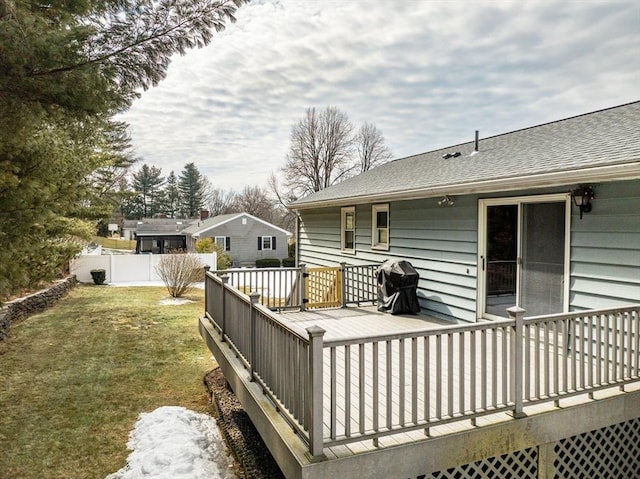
<point>286,288</point>
<point>341,391</point>
<point>359,284</point>
<point>578,352</point>
<point>276,286</point>
<point>277,356</point>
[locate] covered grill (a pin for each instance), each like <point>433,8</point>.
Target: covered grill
<point>397,287</point>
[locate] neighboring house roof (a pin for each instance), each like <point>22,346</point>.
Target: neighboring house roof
<point>158,221</point>
<point>200,227</point>
<point>598,146</point>
<point>161,226</point>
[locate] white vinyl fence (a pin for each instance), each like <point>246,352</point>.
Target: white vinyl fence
<point>125,268</point>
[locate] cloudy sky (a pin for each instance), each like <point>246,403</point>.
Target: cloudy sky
<point>427,73</point>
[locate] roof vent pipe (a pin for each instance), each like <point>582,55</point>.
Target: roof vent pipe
<point>477,140</point>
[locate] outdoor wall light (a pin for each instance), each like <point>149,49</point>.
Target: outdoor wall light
<point>446,201</point>
<point>582,197</point>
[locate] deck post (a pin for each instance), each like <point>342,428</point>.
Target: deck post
<point>517,360</point>
<point>343,272</point>
<point>225,280</point>
<point>255,297</point>
<point>314,393</point>
<point>303,277</point>
<point>206,294</point>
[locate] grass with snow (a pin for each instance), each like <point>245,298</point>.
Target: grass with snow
<point>75,378</point>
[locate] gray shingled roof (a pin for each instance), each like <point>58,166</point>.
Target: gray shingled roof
<point>159,226</point>
<point>209,222</point>
<point>158,222</point>
<point>200,226</point>
<point>604,138</point>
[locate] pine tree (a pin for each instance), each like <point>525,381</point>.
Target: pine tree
<point>147,183</point>
<point>171,196</point>
<point>191,185</point>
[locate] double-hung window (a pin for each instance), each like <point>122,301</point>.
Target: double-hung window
<point>224,242</point>
<point>380,227</point>
<point>266,243</point>
<point>348,230</point>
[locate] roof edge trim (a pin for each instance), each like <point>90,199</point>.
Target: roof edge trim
<point>627,171</point>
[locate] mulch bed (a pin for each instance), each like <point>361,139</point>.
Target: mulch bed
<point>241,436</point>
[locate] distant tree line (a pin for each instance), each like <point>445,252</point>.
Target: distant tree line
<point>146,193</point>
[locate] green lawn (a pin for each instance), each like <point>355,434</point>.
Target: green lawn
<point>115,243</point>
<point>74,379</point>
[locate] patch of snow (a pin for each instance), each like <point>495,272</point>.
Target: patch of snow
<point>173,442</point>
<point>175,301</point>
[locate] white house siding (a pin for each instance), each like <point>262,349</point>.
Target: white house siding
<point>605,248</point>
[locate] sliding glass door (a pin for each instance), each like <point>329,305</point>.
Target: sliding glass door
<point>500,262</point>
<point>523,255</point>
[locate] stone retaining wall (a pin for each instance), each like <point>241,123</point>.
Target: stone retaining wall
<point>18,309</point>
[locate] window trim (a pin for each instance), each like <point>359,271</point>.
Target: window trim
<point>343,220</point>
<point>375,209</point>
<point>272,243</point>
<point>227,242</point>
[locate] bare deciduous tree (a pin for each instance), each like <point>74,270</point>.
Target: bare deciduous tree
<point>219,201</point>
<point>285,218</point>
<point>371,148</point>
<point>255,201</point>
<point>321,151</point>
<point>324,151</point>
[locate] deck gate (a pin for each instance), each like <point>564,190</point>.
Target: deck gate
<point>323,287</point>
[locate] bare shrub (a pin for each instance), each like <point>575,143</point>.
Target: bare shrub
<point>179,271</point>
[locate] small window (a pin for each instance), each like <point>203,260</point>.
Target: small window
<point>348,240</point>
<point>266,243</point>
<point>380,227</point>
<point>224,242</point>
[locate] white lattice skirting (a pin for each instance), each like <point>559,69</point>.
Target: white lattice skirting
<point>612,452</point>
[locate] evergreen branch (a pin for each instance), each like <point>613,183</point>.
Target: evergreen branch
<point>178,37</point>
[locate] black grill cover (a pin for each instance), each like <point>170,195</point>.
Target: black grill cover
<point>397,287</point>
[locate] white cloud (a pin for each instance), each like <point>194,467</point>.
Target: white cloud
<point>427,73</point>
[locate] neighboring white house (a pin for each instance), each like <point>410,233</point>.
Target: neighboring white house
<point>242,236</point>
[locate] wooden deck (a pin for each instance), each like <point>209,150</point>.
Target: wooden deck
<point>363,391</point>
<point>347,392</point>
<point>347,324</point>
<point>360,322</point>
